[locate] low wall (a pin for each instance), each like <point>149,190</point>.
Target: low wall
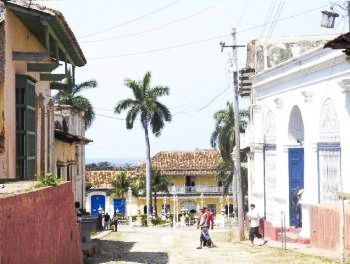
<point>325,227</point>
<point>40,227</point>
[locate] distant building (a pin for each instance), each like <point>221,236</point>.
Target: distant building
<point>299,137</point>
<point>34,40</point>
<point>191,173</point>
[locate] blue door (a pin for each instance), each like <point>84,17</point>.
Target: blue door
<point>296,180</point>
<point>118,206</point>
<point>97,202</point>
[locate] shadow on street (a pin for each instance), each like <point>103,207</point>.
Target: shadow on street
<point>109,250</point>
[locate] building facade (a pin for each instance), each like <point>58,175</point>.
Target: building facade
<point>33,42</point>
<point>193,184</point>
<point>298,138</point>
<point>70,144</point>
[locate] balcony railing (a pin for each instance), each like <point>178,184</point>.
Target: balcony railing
<point>199,189</point>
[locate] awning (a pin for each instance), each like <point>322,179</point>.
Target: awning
<point>70,138</point>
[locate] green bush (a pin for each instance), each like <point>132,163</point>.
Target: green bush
<point>49,179</point>
<point>144,220</point>
<point>88,185</point>
<point>158,221</point>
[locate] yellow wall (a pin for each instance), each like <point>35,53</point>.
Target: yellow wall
<point>203,180</point>
<point>18,38</point>
<point>64,151</point>
<point>182,200</point>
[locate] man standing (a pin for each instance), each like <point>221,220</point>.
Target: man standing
<point>254,219</point>
<point>203,224</point>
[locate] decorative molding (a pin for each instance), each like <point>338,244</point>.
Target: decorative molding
<point>345,84</point>
<point>279,103</point>
<point>307,96</point>
<point>256,108</point>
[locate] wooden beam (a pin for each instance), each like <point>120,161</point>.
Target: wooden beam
<point>41,67</point>
<point>54,36</point>
<point>29,56</point>
<point>58,86</point>
<point>47,40</point>
<point>51,77</point>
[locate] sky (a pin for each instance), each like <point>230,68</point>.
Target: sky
<point>125,39</point>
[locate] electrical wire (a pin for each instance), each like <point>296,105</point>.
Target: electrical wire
<point>155,28</point>
<point>131,21</point>
<point>268,16</point>
<point>200,41</point>
<point>276,17</point>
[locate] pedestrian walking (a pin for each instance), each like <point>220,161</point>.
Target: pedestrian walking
<point>107,221</point>
<point>254,220</point>
<point>296,203</point>
<point>203,224</point>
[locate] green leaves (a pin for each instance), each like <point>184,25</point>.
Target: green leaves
<point>145,104</point>
<point>69,96</point>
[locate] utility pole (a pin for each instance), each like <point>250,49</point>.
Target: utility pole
<point>236,157</point>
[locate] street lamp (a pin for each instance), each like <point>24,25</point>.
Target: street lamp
<point>129,206</point>
<point>174,199</point>
<point>164,206</point>
<point>328,18</point>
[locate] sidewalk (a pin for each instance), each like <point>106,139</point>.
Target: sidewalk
<point>306,249</point>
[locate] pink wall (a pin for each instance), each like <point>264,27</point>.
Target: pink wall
<point>325,228</point>
<point>40,227</point>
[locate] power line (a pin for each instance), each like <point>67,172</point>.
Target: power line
<point>202,40</point>
<point>132,20</point>
<point>155,28</point>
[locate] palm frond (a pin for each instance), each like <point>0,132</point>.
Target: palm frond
<point>158,91</point>
<point>84,85</point>
<point>124,104</point>
<point>131,116</point>
<point>136,88</point>
<point>164,110</point>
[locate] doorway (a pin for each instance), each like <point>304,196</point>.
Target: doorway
<point>296,182</point>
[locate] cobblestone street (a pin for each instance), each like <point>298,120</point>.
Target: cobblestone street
<point>165,245</point>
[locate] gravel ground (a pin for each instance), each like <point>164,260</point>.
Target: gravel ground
<point>165,245</point>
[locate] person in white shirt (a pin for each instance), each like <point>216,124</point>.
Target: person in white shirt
<point>254,219</point>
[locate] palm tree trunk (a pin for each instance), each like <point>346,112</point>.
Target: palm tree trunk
<point>148,173</point>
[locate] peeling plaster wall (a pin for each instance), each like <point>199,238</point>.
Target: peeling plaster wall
<point>44,228</point>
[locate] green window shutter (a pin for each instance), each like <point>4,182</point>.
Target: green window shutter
<point>25,127</point>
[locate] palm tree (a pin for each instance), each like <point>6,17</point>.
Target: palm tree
<point>160,183</point>
<point>120,186</point>
<point>223,138</point>
<point>152,114</point>
<point>69,96</point>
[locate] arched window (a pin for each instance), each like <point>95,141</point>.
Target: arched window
<point>328,151</point>
<point>295,126</point>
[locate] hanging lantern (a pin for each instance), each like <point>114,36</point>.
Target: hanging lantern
<point>328,19</point>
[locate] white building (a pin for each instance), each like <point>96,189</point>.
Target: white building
<point>299,135</point>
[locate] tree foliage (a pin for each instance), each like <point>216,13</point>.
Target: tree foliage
<point>70,96</point>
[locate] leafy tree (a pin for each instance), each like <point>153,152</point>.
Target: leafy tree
<point>223,138</point>
<point>70,96</point>
<point>160,183</point>
<point>120,186</point>
<point>152,113</point>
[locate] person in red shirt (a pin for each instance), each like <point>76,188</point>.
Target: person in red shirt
<point>210,242</point>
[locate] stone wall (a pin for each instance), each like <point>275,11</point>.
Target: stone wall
<point>40,227</point>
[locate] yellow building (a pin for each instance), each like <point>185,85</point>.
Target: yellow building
<point>33,42</point>
<point>70,144</point>
<point>193,182</point>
